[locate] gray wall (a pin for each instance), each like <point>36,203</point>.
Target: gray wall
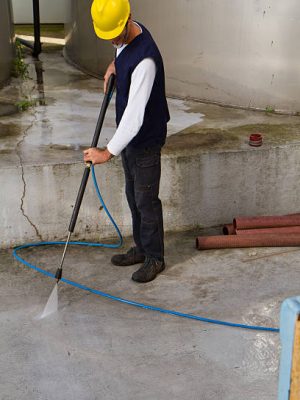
<point>83,48</point>
<point>236,52</point>
<point>51,11</point>
<point>6,42</point>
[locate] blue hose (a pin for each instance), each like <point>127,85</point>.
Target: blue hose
<point>120,299</point>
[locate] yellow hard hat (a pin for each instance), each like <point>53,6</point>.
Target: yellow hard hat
<point>110,17</point>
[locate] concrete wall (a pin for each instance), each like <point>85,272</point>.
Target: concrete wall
<point>6,43</point>
<point>192,182</point>
<point>53,11</point>
<point>236,52</point>
<point>83,48</point>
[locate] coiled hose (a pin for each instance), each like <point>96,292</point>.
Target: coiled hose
<point>119,299</point>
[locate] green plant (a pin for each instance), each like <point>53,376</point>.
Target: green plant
<point>20,68</point>
<point>25,104</point>
<point>270,109</point>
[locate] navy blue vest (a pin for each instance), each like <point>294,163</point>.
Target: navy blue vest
<point>154,129</point>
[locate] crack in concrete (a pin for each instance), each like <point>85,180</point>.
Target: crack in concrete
<point>18,152</point>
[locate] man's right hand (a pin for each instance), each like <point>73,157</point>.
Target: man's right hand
<point>111,69</point>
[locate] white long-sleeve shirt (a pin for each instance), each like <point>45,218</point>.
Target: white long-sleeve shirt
<point>142,80</point>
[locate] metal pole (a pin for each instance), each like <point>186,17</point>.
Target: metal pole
<point>37,47</point>
<point>105,103</point>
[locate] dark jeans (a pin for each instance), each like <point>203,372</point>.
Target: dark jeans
<point>142,175</point>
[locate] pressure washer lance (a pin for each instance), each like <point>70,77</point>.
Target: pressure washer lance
<point>105,103</point>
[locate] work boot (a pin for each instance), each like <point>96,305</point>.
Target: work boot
<point>130,258</point>
<point>149,270</point>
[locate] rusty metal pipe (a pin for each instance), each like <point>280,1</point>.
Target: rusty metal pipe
<point>266,222</point>
<point>281,229</point>
<point>228,229</point>
<point>258,240</point>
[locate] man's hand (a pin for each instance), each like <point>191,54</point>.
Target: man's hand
<point>111,69</point>
<point>96,156</point>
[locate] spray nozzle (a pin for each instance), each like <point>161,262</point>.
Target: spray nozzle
<point>58,274</point>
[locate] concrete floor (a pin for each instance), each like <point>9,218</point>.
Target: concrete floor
<point>95,348</point>
<point>67,105</point>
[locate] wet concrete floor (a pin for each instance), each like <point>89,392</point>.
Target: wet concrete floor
<point>64,107</point>
<point>95,348</point>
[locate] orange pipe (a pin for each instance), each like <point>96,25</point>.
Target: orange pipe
<point>258,240</point>
<point>228,229</point>
<point>281,229</point>
<point>266,222</point>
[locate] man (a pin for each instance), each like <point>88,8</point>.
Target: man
<point>141,115</point>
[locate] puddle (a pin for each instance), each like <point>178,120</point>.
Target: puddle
<point>40,81</point>
<point>8,109</point>
<point>9,130</point>
<point>56,78</point>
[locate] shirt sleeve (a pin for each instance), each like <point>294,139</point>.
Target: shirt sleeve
<point>142,80</point>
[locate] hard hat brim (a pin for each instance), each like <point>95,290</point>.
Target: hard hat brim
<point>111,34</point>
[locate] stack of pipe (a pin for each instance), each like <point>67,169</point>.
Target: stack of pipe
<point>265,231</point>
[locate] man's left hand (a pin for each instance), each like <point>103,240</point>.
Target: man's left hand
<point>96,156</point>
